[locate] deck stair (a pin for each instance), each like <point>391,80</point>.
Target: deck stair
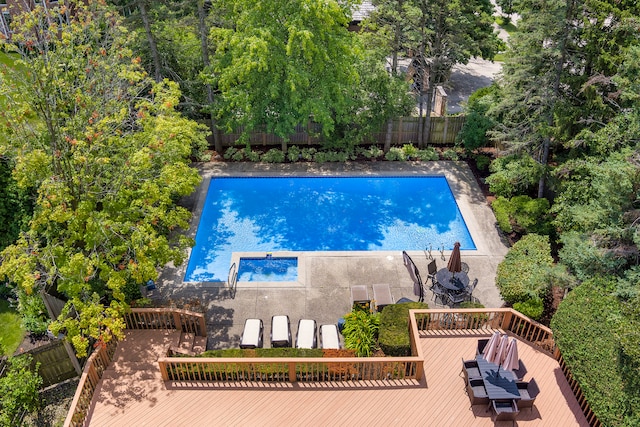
<point>190,344</point>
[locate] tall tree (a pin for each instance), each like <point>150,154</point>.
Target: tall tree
<point>108,155</point>
<point>281,64</point>
<point>556,80</point>
<point>438,34</point>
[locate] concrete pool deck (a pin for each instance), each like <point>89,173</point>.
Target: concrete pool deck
<point>322,291</point>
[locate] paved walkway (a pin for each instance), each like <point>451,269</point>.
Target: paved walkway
<point>324,278</point>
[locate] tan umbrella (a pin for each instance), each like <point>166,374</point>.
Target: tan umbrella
<point>511,361</point>
<point>492,346</point>
<point>455,262</point>
<point>502,350</point>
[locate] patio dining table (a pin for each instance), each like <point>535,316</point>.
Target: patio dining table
<point>448,280</point>
<point>499,383</point>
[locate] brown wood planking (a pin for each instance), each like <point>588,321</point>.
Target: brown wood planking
<point>438,400</point>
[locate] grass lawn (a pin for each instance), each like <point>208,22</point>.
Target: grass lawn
<point>507,26</point>
<point>11,332</point>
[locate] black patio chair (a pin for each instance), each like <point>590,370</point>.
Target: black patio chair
<point>471,288</point>
<point>528,393</point>
<point>432,269</point>
<point>439,292</point>
<point>481,345</point>
<point>470,370</point>
<point>477,392</point>
<point>504,410</point>
<point>456,298</point>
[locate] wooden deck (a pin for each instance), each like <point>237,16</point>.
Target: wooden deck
<point>133,393</point>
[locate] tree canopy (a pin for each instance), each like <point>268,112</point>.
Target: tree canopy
<point>280,64</point>
<point>108,156</point>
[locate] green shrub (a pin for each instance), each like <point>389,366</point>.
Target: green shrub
<point>514,175</point>
<point>587,328</point>
<point>19,389</point>
<point>251,155</point>
<point>320,157</point>
<point>532,308</point>
<point>274,155</point>
<point>35,318</point>
<point>523,215</point>
<point>395,154</point>
<point>230,152</point>
<point>263,352</point>
<point>585,259</point>
<point>293,154</point>
<point>307,153</point>
<point>524,272</point>
<point>238,155</point>
<point>428,154</point>
<point>482,162</point>
<point>373,152</point>
<point>361,331</point>
<point>409,151</point>
<point>394,328</point>
<point>450,154</point>
<point>473,134</point>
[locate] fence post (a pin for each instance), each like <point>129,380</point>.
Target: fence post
<point>177,323</point>
<point>292,372</point>
<point>203,326</point>
<point>163,370</point>
<point>506,320</point>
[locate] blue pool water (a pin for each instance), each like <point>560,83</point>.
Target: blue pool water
<point>322,214</point>
<point>268,269</point>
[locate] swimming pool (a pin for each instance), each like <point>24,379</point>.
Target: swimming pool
<point>268,214</point>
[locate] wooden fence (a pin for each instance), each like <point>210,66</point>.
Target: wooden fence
<point>55,364</point>
<point>97,363</point>
<point>444,130</point>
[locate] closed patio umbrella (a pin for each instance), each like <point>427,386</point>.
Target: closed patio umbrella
<point>502,350</point>
<point>492,347</point>
<point>511,361</point>
<point>455,262</point>
<point>415,276</point>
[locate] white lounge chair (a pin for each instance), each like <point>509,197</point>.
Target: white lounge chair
<point>329,337</point>
<point>280,331</point>
<point>382,296</point>
<point>252,334</point>
<point>306,337</point>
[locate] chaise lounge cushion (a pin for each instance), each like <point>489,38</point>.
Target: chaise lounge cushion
<point>329,336</point>
<point>252,334</point>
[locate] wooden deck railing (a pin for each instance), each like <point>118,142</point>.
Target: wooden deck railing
<point>294,369</point>
<point>304,369</point>
<point>138,318</point>
<point>166,318</point>
<point>91,374</point>
<point>509,320</point>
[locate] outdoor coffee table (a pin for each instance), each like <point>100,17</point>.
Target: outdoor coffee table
<point>500,383</point>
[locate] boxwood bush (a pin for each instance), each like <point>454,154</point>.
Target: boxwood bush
<point>264,352</point>
<point>393,336</point>
<point>524,272</point>
<point>587,328</point>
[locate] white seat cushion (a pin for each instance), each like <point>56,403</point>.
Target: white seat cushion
<point>251,333</point>
<point>280,329</point>
<point>330,338</point>
<point>306,334</point>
